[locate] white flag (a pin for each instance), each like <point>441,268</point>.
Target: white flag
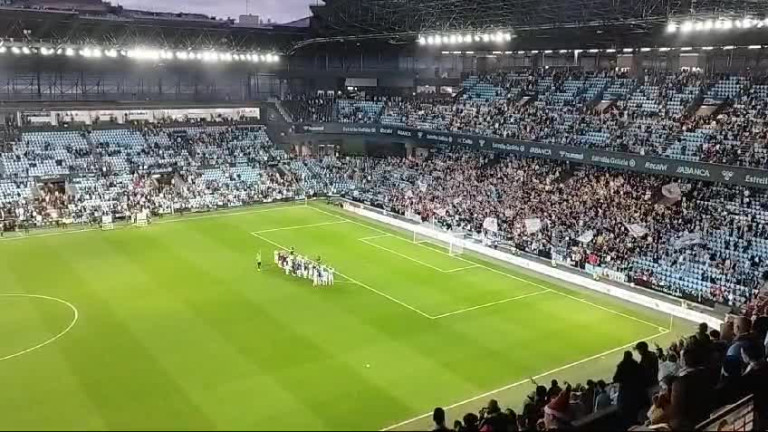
<point>686,240</point>
<point>532,225</point>
<point>636,230</point>
<point>491,224</point>
<point>586,237</point>
<point>672,191</point>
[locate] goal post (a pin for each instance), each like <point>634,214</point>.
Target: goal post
<point>142,218</point>
<point>449,242</point>
<point>107,223</point>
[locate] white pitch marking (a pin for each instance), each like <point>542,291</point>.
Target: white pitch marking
<point>353,221</point>
<point>462,268</point>
<point>375,237</point>
<point>50,234</point>
<point>505,274</point>
<point>302,226</point>
<point>222,214</point>
<point>75,317</point>
<point>492,304</point>
<point>527,380</point>
<point>404,256</point>
<point>157,222</point>
<point>406,305</point>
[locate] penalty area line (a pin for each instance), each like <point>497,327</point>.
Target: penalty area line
<point>302,226</point>
<point>521,382</point>
<point>520,297</point>
<point>503,273</point>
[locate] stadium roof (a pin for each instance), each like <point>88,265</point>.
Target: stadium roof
<point>367,17</point>
<point>115,26</point>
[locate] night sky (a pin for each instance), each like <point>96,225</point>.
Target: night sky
<point>278,10</point>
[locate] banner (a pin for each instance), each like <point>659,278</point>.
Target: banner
<point>586,237</point>
<point>532,225</point>
<point>632,162</point>
<point>491,224</point>
<point>605,273</point>
<point>687,240</point>
<point>672,191</point>
<point>636,230</point>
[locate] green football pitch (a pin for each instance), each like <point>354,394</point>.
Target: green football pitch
<point>172,327</point>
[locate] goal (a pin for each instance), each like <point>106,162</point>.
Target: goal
<point>450,242</point>
<point>107,223</point>
<point>142,218</point>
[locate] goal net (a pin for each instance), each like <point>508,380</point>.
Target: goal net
<point>142,218</point>
<point>449,242</point>
<point>107,223</point>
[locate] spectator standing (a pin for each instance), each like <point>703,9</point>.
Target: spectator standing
<point>438,416</point>
<point>557,414</point>
<point>649,362</point>
<point>669,367</point>
<point>602,398</point>
<point>692,397</point>
<point>492,419</point>
<point>554,390</point>
<point>631,378</point>
<point>742,328</point>
<point>755,381</point>
<point>588,396</point>
<point>470,423</point>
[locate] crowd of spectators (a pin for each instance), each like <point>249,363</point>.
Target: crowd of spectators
<point>656,114</point>
<point>161,169</point>
<point>703,242</point>
<point>673,388</point>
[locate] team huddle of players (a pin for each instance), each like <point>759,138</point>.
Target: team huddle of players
<point>299,266</point>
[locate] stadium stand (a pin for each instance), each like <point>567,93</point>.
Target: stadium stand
<point>659,112</point>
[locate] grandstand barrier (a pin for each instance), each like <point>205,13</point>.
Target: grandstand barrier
<point>626,161</point>
<point>594,285</point>
<point>736,417</point>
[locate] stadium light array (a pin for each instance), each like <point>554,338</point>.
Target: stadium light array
<point>720,24</point>
<point>138,53</point>
<point>463,38</point>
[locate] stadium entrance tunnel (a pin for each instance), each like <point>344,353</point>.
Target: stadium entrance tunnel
<point>30,323</point>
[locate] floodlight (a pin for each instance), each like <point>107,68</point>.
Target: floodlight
<point>671,27</point>
<point>686,27</point>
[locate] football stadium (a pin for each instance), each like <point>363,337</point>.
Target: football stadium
<point>397,215</point>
